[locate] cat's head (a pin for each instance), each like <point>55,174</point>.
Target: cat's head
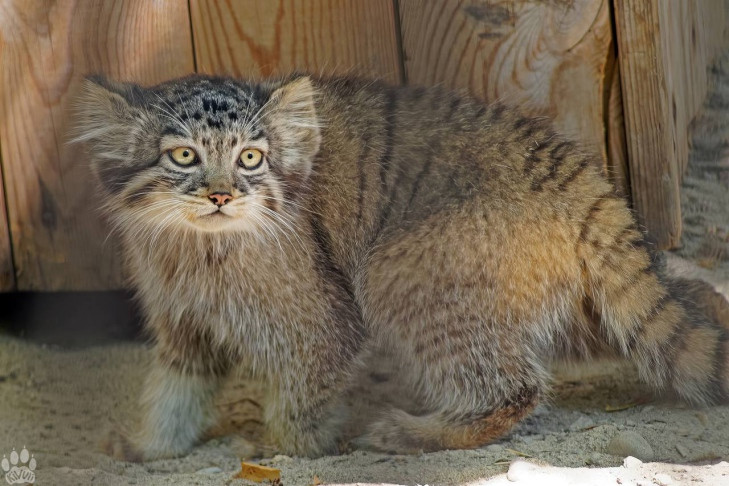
<point>202,153</point>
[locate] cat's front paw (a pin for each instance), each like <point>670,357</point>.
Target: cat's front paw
<point>117,445</point>
<point>123,446</point>
<point>250,449</point>
<point>310,442</point>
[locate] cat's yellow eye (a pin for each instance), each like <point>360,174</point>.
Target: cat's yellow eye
<point>250,159</point>
<point>183,156</point>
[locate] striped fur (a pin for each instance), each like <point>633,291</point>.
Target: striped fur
<point>477,243</point>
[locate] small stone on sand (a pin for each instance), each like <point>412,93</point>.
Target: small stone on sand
<point>280,458</point>
<point>582,423</point>
<point>682,450</point>
<point>629,443</point>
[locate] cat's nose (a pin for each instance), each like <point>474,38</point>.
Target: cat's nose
<point>220,198</point>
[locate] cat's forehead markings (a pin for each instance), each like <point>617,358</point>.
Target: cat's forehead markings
<point>172,131</point>
<point>213,123</point>
<point>213,110</point>
<point>214,105</point>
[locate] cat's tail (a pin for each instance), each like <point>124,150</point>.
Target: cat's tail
<point>676,331</point>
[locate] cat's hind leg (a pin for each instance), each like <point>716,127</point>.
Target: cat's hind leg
<point>474,381</point>
<point>472,321</point>
<point>465,416</point>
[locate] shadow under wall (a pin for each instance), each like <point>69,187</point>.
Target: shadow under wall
<point>71,319</point>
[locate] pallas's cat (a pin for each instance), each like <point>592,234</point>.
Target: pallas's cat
<point>286,226</point>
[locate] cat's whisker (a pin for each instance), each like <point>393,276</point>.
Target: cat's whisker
<point>278,220</point>
<point>275,214</point>
<point>289,202</point>
<point>248,122</point>
<point>138,219</point>
<point>161,227</point>
<point>271,232</point>
<point>184,127</point>
<point>123,220</point>
<point>136,195</point>
<point>184,106</point>
<point>171,113</point>
<point>145,210</point>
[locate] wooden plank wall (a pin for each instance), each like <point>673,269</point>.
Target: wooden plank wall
<point>555,58</point>
<point>251,38</point>
<point>550,58</point>
<point>664,50</point>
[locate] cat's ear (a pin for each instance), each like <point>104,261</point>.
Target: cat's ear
<point>109,120</point>
<point>296,99</point>
<point>291,115</point>
<point>104,109</point>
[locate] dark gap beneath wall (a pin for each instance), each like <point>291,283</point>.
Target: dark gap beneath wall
<point>71,319</point>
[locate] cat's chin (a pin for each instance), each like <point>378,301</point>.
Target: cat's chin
<point>216,223</point>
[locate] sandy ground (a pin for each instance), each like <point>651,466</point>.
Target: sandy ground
<point>61,403</point>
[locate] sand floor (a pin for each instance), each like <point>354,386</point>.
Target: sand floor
<point>60,404</point>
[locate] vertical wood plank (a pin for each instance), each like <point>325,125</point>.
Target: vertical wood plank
<point>7,272</point>
<point>654,171</point>
<point>664,50</point>
<point>549,58</point>
<point>251,38</point>
<point>46,47</point>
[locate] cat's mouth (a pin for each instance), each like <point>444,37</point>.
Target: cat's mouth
<point>215,220</point>
<point>220,219</point>
<point>215,214</point>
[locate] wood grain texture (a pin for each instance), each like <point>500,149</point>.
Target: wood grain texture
<point>252,38</point>
<point>46,47</point>
<point>7,272</point>
<point>654,170</point>
<point>664,49</point>
<point>547,57</point>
